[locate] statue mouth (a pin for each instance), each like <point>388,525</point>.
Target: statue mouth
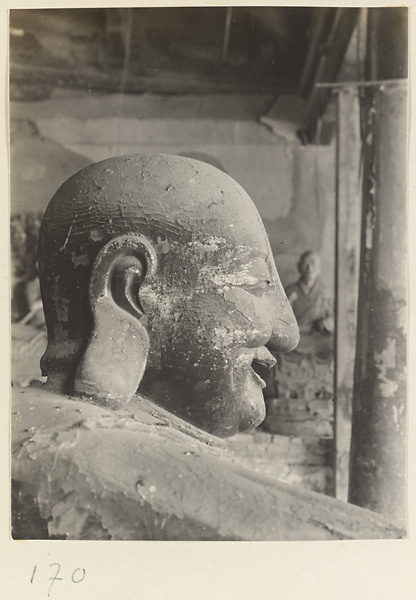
<point>262,362</point>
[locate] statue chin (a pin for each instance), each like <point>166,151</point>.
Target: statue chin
<point>233,403</point>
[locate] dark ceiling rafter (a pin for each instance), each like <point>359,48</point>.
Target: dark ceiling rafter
<point>329,42</point>
<point>172,51</point>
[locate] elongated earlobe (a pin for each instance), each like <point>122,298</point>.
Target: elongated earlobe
<point>115,358</point>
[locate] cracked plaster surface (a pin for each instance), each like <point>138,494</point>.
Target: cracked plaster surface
<point>101,474</point>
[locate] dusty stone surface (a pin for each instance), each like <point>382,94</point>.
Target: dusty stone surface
<point>94,473</point>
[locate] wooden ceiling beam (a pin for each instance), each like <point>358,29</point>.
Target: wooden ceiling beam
<point>332,53</point>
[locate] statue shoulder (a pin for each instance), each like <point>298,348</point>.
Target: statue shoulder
<point>96,473</point>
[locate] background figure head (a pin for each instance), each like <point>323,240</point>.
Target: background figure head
<point>309,267</point>
<point>156,273</point>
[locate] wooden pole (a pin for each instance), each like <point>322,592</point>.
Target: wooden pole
<point>345,20</point>
<point>348,219</point>
<point>378,449</point>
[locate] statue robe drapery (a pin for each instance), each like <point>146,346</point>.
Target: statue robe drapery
<point>310,305</point>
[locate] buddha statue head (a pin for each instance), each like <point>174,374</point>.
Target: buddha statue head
<point>157,276</point>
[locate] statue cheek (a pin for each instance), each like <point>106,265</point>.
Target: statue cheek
<point>250,313</point>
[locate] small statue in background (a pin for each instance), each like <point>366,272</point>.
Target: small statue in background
<point>24,231</point>
<point>299,389</point>
<point>28,324</point>
<point>309,298</point>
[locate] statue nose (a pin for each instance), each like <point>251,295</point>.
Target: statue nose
<point>285,330</point>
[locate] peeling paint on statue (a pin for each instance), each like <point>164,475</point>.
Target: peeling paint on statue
<point>168,285</point>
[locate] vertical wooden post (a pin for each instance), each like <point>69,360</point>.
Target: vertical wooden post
<point>378,448</point>
<point>348,221</point>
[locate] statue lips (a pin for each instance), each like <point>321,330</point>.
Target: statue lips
<point>261,363</point>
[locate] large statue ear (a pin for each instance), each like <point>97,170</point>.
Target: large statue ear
<point>114,360</point>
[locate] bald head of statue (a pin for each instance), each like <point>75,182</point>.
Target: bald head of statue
<point>157,276</point>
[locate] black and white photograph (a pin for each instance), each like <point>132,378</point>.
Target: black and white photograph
<point>208,298</point>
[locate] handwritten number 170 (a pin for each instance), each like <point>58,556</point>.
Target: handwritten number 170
<point>77,575</point>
